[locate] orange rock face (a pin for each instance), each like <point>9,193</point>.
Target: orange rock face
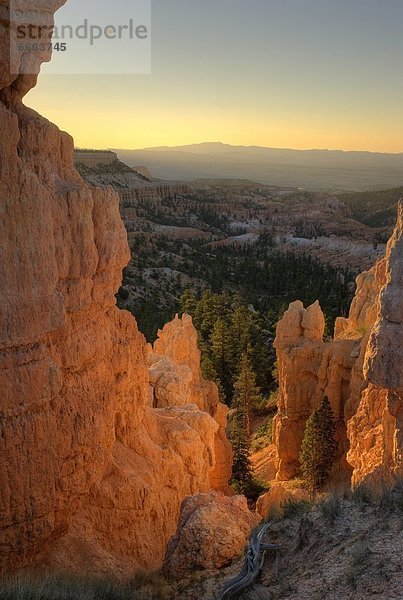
<point>91,476</point>
<point>360,371</point>
<point>376,429</point>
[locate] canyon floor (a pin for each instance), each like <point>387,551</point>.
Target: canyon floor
<point>200,234</point>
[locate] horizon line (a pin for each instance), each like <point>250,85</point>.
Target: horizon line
<point>309,149</point>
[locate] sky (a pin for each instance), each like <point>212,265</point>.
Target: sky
<point>276,73</point>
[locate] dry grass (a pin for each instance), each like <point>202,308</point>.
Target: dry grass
<point>331,507</point>
<point>143,586</point>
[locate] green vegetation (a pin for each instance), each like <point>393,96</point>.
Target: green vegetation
<point>264,277</point>
<point>387,496</point>
<point>228,331</point>
<point>236,354</point>
<point>391,497</point>
<point>246,397</point>
<point>359,554</point>
<point>331,507</point>
<point>263,435</point>
<point>318,448</point>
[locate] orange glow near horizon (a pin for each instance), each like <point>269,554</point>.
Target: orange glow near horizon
<point>131,127</point>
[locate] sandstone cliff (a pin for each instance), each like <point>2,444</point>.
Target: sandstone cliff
<point>91,476</point>
<point>360,371</point>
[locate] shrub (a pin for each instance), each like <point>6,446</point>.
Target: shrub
<point>65,587</point>
<point>362,495</point>
<point>331,507</point>
<point>391,497</point>
<point>294,508</point>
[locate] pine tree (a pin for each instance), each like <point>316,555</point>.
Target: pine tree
<point>242,474</point>
<point>246,394</point>
<point>220,345</point>
<point>209,373</point>
<point>319,447</point>
<point>188,302</point>
<point>240,335</point>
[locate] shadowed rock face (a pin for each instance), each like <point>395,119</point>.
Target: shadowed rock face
<point>360,371</point>
<point>384,356</point>
<point>91,476</point>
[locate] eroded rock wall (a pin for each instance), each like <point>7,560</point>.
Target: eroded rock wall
<point>91,476</point>
<point>376,429</point>
<point>360,371</point>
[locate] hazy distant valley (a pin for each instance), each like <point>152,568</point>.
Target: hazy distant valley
<point>311,169</point>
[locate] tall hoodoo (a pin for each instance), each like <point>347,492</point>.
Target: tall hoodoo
<point>176,378</point>
<point>88,469</point>
<point>360,371</point>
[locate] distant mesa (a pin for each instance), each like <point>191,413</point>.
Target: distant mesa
<point>93,158</point>
<point>96,158</point>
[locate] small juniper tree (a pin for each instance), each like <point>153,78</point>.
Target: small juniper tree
<point>319,447</point>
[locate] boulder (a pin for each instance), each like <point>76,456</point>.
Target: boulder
<point>212,532</point>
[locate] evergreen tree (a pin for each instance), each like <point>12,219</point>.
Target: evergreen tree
<point>240,334</point>
<point>210,308</point>
<point>220,344</point>
<point>242,474</point>
<point>319,447</point>
<point>246,395</point>
<point>209,373</point>
<point>188,302</point>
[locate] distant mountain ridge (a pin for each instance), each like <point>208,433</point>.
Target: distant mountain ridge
<point>219,147</point>
<point>328,170</point>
